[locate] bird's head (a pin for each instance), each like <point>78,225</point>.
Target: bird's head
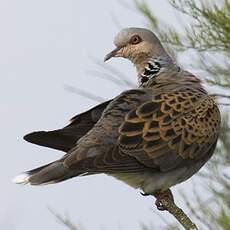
<point>136,44</point>
<point>143,48</point>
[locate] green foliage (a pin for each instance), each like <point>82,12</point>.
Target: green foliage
<point>208,35</point>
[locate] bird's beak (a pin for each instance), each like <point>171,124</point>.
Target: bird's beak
<point>115,53</point>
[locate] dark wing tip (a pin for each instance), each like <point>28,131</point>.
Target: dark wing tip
<point>34,136</point>
<point>51,139</point>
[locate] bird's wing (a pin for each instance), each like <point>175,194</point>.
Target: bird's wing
<point>141,129</point>
<point>65,139</point>
<point>174,128</point>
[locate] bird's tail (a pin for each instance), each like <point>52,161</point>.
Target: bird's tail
<point>47,174</point>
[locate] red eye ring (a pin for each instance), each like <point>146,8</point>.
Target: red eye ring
<point>135,39</point>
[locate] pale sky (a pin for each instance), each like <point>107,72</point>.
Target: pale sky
<point>45,45</point>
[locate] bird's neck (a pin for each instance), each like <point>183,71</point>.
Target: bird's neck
<point>153,67</point>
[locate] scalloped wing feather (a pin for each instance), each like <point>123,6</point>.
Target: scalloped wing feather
<point>180,125</point>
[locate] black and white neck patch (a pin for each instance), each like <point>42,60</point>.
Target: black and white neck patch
<point>152,68</point>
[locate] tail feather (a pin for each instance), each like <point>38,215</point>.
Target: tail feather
<point>47,174</point>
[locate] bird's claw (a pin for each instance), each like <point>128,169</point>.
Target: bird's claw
<point>159,205</point>
<point>161,196</point>
<point>145,194</point>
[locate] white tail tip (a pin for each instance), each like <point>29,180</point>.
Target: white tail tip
<point>22,178</point>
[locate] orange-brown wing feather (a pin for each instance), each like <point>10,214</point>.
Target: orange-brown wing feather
<point>178,125</point>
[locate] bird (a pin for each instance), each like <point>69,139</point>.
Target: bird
<point>151,137</point>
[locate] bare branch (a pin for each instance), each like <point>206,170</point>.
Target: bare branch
<point>179,214</point>
<point>84,93</point>
<point>65,221</point>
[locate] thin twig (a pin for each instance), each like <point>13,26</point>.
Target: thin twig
<point>224,104</point>
<point>63,220</point>
<point>197,214</point>
<point>84,93</point>
<point>179,214</point>
<point>219,95</point>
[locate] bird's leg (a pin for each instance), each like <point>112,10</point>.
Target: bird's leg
<point>163,195</point>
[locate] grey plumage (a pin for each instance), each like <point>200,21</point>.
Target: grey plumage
<point>152,137</point>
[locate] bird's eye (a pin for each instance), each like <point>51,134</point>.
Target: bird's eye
<point>135,39</point>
